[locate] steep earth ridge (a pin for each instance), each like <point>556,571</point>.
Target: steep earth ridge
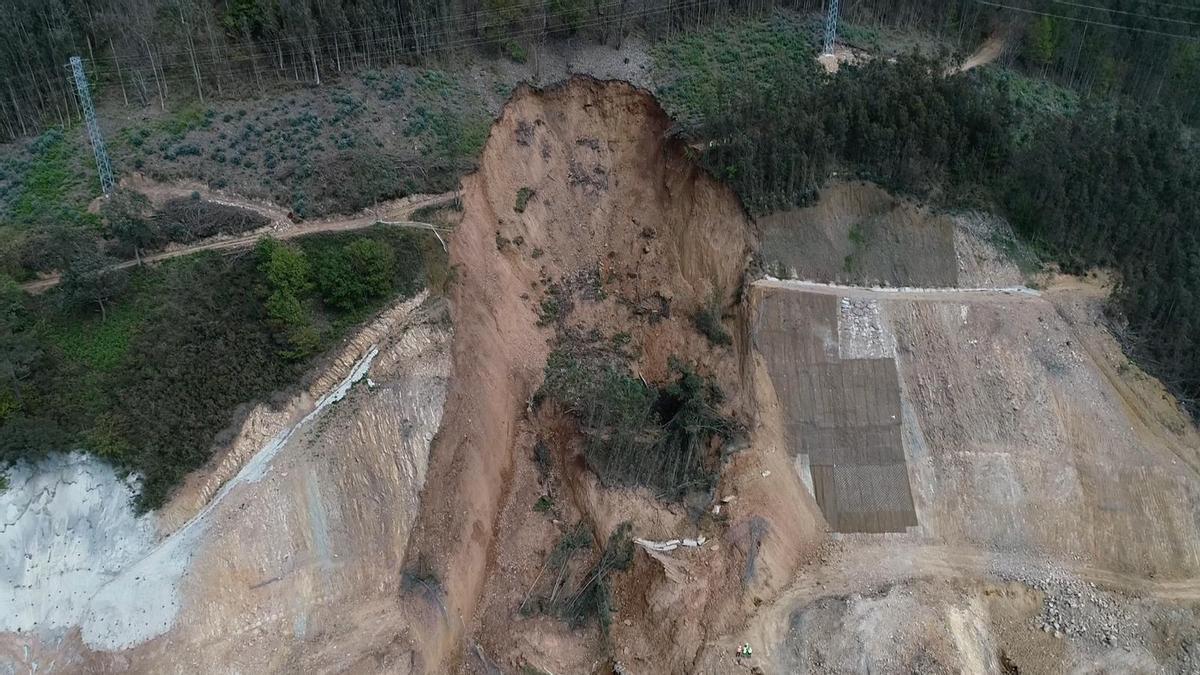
<point>581,180</point>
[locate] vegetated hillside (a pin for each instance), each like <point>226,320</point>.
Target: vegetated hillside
<point>1091,183</point>
<point>145,368</point>
<point>314,152</point>
<point>165,54</point>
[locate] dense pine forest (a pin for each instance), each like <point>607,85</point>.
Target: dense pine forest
<point>166,52</point>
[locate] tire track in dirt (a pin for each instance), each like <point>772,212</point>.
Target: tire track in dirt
<point>282,227</point>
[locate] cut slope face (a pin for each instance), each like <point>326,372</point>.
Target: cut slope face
<point>1015,437</point>
<point>1055,489</point>
<point>581,191</point>
<point>833,367</point>
<point>857,232</point>
<point>292,566</point>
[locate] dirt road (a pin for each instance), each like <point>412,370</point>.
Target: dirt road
<point>1013,294</point>
<point>282,227</point>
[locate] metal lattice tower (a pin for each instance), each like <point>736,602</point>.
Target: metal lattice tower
<point>103,167</point>
<point>831,26</point>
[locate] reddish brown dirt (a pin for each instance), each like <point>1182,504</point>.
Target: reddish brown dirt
<point>612,196</point>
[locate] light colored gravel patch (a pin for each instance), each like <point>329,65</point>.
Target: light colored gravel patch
<point>68,529</point>
<point>861,333</point>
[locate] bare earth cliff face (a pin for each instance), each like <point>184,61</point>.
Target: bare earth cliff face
<point>339,535</point>
<point>606,194</point>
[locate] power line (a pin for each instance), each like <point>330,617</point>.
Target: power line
<point>1088,21</point>
<point>1186,8</point>
<point>1121,11</point>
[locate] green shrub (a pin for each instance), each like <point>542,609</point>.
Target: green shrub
<point>523,197</point>
<point>357,274</point>
<point>289,280</point>
<point>707,320</point>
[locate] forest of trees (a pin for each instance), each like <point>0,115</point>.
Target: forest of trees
<point>151,379</point>
<point>162,52</point>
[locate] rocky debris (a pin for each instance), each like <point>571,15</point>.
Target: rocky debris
<point>861,334</point>
<point>1073,608</point>
<point>1082,611</point>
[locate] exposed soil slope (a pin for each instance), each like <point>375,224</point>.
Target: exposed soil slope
<point>581,181</point>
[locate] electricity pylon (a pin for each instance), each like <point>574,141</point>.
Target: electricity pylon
<point>103,167</point>
<point>831,26</point>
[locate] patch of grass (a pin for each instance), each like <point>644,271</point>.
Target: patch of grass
<point>97,344</point>
<point>695,65</point>
<point>52,184</point>
<point>707,320</point>
<point>523,197</point>
<point>543,504</point>
<point>185,119</point>
<point>857,235</point>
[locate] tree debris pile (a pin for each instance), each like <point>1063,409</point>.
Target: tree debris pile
<point>639,434</point>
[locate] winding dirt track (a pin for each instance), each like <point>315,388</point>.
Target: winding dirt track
<point>393,213</point>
